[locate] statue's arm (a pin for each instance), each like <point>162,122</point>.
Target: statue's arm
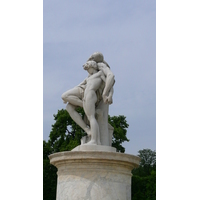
<point>103,76</point>
<point>109,99</point>
<point>110,80</point>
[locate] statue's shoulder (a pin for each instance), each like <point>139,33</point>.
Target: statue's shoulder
<point>101,65</point>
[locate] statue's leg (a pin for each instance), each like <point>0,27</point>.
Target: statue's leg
<point>89,108</point>
<point>71,109</point>
<point>73,96</point>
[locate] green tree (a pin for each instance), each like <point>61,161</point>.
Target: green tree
<point>148,158</point>
<point>49,174</point>
<point>66,135</point>
<point>147,163</point>
<point>144,177</point>
<point>120,125</point>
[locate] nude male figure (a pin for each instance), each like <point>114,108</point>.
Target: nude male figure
<point>94,81</point>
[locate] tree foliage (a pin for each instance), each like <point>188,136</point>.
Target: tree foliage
<point>120,125</point>
<point>148,158</point>
<point>49,174</point>
<point>65,134</point>
<point>144,177</point>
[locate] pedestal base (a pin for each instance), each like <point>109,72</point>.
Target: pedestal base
<point>93,175</point>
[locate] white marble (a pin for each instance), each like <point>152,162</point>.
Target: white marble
<point>93,175</point>
<point>94,94</point>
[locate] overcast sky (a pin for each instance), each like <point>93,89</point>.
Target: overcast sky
<point>125,32</point>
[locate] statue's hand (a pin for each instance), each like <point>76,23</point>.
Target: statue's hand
<point>107,99</point>
<point>104,98</point>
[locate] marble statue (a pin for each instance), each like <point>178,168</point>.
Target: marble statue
<point>94,94</point>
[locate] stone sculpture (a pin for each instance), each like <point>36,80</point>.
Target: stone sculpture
<point>94,94</point>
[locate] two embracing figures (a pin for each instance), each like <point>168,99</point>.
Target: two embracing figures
<point>94,94</point>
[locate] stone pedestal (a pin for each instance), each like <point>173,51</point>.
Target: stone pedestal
<point>93,175</point>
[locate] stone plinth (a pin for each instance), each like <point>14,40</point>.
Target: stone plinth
<point>93,175</point>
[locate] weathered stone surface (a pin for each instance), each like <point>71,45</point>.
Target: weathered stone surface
<point>94,175</point>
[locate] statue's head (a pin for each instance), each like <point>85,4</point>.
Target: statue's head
<point>90,64</point>
<point>97,57</point>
